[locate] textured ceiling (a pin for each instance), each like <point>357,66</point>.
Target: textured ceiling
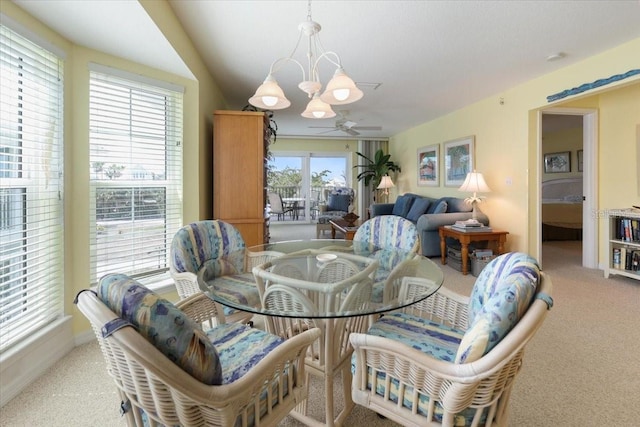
<point>429,57</point>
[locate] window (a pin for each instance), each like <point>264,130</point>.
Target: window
<point>31,214</point>
<point>135,134</point>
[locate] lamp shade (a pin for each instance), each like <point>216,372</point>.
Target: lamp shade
<point>474,183</point>
<point>385,183</point>
<point>269,96</point>
<point>341,89</point>
<point>318,109</point>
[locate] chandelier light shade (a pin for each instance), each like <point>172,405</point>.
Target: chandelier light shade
<point>474,183</point>
<point>270,96</point>
<point>318,109</point>
<point>340,90</point>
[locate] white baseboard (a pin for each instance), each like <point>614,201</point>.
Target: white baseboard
<point>25,363</point>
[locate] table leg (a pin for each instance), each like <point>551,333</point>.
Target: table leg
<point>328,371</point>
<point>465,257</point>
<point>443,249</point>
<point>501,242</point>
<point>333,232</point>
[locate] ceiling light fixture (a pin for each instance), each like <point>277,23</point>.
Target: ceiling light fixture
<point>340,90</point>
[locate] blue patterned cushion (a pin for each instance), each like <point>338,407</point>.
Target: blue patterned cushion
<point>163,325</point>
<point>501,295</point>
<point>389,231</point>
<point>402,205</point>
<point>339,202</point>
<point>418,208</point>
<point>240,348</point>
<point>439,341</point>
<point>195,244</point>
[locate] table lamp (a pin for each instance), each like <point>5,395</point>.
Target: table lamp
<point>385,184</point>
<point>474,182</point>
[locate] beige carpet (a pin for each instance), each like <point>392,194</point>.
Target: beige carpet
<point>582,368</point>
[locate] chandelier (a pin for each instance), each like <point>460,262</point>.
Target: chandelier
<point>340,90</point>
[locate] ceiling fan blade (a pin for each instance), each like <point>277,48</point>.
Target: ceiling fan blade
<point>322,127</point>
<point>327,131</point>
<point>367,127</point>
<point>351,132</point>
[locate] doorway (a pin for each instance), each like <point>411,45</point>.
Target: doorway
<point>301,178</point>
<point>565,212</point>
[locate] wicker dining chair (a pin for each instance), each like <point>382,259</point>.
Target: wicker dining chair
<point>170,372</point>
<point>219,248</point>
<point>452,360</point>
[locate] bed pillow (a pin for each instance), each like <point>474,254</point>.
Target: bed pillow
<point>163,325</point>
<point>418,208</point>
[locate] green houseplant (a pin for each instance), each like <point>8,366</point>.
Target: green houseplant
<point>373,170</point>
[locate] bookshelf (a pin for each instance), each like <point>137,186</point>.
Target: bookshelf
<point>623,250</point>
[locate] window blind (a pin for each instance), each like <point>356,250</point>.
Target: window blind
<point>31,167</point>
<point>135,134</point>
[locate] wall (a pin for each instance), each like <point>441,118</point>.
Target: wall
<point>562,141</point>
<point>201,97</point>
<point>506,142</point>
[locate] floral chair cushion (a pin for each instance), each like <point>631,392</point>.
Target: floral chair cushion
<point>335,210</point>
<point>163,325</point>
<point>389,231</point>
<point>501,295</point>
<point>196,244</point>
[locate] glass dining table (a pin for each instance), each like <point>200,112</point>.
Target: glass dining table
<point>336,285</point>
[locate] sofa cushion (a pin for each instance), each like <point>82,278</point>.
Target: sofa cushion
<point>418,208</point>
<point>441,207</point>
<point>163,325</point>
<point>339,202</point>
<point>455,204</point>
<point>502,294</point>
<point>402,205</point>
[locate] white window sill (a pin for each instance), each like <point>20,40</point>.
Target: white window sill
<point>160,284</point>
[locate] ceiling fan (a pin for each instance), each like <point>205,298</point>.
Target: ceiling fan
<point>347,126</point>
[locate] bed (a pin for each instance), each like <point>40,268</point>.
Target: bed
<point>562,209</point>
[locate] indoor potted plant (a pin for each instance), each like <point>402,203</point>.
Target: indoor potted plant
<point>374,170</point>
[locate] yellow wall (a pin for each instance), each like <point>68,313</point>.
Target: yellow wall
<point>201,97</point>
<point>562,141</point>
<point>506,141</point>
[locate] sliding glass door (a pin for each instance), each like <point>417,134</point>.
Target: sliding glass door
<point>302,178</point>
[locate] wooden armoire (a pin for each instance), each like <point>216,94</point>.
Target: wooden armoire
<point>240,144</point>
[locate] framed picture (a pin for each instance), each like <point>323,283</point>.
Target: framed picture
<point>458,160</point>
<point>428,165</point>
<point>557,162</point>
<point>580,160</point>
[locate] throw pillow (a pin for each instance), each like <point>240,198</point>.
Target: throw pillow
<point>338,202</point>
<point>418,208</point>
<point>441,207</point>
<point>163,325</point>
<point>402,205</point>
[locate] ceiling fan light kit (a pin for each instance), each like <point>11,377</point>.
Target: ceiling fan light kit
<point>340,90</point>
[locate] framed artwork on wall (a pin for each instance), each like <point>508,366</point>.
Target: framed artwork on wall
<point>557,162</point>
<point>458,160</point>
<point>428,165</point>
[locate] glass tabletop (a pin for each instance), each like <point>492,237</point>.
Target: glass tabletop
<point>323,279</point>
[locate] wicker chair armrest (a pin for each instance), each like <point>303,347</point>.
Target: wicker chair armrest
<point>202,309</point>
<point>186,283</point>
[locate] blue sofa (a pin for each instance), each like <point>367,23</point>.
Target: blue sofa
<point>428,214</point>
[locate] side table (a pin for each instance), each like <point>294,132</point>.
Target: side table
<point>341,225</point>
<point>466,237</point>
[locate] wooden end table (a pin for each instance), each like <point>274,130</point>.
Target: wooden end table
<point>466,237</point>
<point>340,225</point>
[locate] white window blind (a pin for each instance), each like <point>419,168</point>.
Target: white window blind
<point>31,214</point>
<point>136,173</point>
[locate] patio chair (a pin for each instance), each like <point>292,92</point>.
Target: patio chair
<point>278,207</point>
<point>451,359</point>
<point>339,202</point>
<point>169,371</point>
<point>214,247</point>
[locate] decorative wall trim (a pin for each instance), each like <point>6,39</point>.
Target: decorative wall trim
<point>588,86</point>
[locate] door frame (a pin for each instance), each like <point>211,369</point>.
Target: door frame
<point>589,180</point>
